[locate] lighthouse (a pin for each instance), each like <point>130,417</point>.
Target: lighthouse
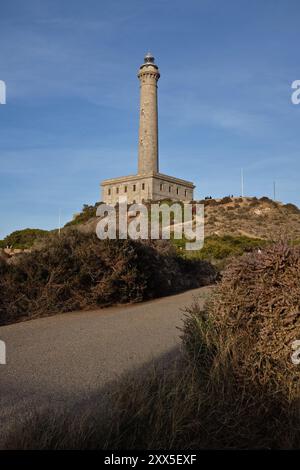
<point>148,184</point>
<point>148,129</point>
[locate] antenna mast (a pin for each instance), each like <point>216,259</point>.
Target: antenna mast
<point>242,181</point>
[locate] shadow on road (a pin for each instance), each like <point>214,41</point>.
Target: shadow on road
<point>30,404</point>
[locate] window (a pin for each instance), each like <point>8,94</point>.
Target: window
<point>125,189</point>
<point>143,186</point>
<point>170,188</point>
<point>177,190</point>
<point>161,186</point>
<point>134,187</point>
<point>185,192</point>
<point>117,190</point>
<point>109,191</point>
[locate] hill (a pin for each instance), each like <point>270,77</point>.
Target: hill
<point>23,239</point>
<point>249,216</point>
<point>255,218</point>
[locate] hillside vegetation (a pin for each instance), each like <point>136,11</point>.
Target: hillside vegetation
<point>87,213</point>
<point>236,387</point>
<point>77,271</point>
<point>220,249</point>
<point>240,218</point>
<point>23,239</point>
<point>249,218</point>
<point>252,217</point>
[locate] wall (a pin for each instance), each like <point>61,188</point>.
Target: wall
<point>146,188</point>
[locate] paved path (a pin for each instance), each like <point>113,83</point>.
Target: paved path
<point>68,357</point>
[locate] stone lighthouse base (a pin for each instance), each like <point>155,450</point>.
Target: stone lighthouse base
<point>146,187</point>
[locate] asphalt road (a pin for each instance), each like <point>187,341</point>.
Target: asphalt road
<point>66,358</point>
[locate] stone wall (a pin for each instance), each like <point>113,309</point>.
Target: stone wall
<point>134,188</point>
<point>145,188</point>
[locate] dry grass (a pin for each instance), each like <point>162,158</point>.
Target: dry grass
<point>155,409</point>
<point>180,408</point>
<point>242,343</point>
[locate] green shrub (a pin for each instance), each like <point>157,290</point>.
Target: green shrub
<point>87,213</point>
<point>78,271</point>
<point>23,238</point>
<point>218,248</point>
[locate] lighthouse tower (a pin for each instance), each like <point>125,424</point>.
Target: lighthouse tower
<point>148,184</point>
<point>148,132</point>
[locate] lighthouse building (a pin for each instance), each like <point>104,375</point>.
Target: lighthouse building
<point>148,184</point>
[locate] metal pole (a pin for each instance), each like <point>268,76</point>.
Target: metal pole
<point>242,181</point>
<point>59,222</point>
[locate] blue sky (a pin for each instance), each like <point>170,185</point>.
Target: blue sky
<point>71,117</point>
